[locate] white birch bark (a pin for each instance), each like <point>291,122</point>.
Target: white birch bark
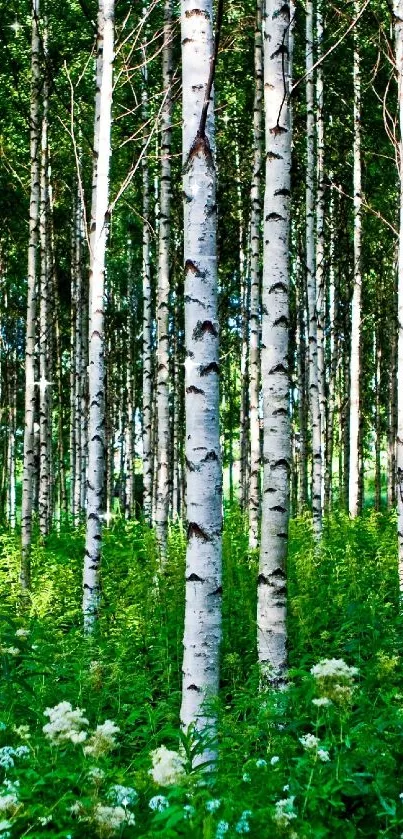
<point>29,441</point>
<point>202,631</point>
<point>162,500</point>
<point>355,356</point>
<point>271,610</point>
<point>314,396</point>
<point>255,301</point>
<point>320,234</point>
<point>99,230</point>
<point>398,22</point>
<point>44,324</point>
<point>147,318</point>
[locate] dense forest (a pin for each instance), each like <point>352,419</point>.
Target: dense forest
<point>201,419</point>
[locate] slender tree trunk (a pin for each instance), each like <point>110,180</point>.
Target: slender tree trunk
<point>45,303</point>
<point>255,302</point>
<point>355,357</point>
<point>202,633</point>
<point>320,234</point>
<point>99,230</point>
<point>314,389</point>
<point>392,411</point>
<point>332,355</point>
<point>162,505</point>
<point>378,424</point>
<point>147,321</point>
<point>271,609</point>
<point>398,20</point>
<point>29,442</point>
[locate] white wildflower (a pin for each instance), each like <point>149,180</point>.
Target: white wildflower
<point>8,802</point>
<point>213,805</point>
<point>222,829</point>
<point>286,787</point>
<point>2,726</point>
<point>243,826</point>
<point>76,809</point>
<point>22,633</point>
<point>44,820</point>
<point>23,732</point>
<point>125,796</point>
<point>21,751</point>
<point>96,774</point>
<point>65,724</point>
<point>275,759</point>
<point>261,763</point>
<point>158,803</point>
<point>309,741</point>
<point>322,702</point>
<point>102,740</point>
<point>333,668</point>
<point>7,757</point>
<point>111,819</point>
<point>188,811</point>
<point>5,829</point>
<point>284,812</point>
<point>323,755</point>
<point>168,767</point>
<point>12,651</point>
<point>246,778</point>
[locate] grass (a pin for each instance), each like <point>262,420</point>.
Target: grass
<point>272,779</point>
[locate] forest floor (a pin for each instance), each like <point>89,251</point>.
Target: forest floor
<point>322,759</point>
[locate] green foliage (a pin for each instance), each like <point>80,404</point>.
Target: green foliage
<point>321,759</point>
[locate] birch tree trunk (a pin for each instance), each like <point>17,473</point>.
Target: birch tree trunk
<point>44,324</point>
<point>202,633</point>
<point>320,235</point>
<point>314,394</point>
<point>255,302</point>
<point>147,319</point>
<point>398,21</point>
<point>271,609</point>
<point>99,231</point>
<point>29,441</point>
<point>355,356</point>
<point>162,504</point>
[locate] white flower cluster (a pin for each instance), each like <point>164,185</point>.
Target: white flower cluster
<point>22,633</point>
<point>123,796</point>
<point>222,829</point>
<point>261,763</point>
<point>96,775</point>
<point>168,767</point>
<point>213,805</point>
<point>275,759</point>
<point>4,829</point>
<point>158,803</point>
<point>9,797</point>
<point>309,741</point>
<point>8,753</point>
<point>65,724</point>
<point>322,702</point>
<point>111,819</point>
<point>103,739</point>
<point>334,668</point>
<point>243,826</point>
<point>11,651</point>
<point>285,812</point>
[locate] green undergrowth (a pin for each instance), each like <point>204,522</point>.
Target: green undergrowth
<point>322,759</point>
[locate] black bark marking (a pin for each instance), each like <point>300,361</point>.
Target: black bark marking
<point>283,321</point>
<point>278,509</point>
<point>209,368</point>
<point>279,368</point>
<point>204,327</point>
<point>217,592</point>
<point>193,269</point>
<point>194,687</point>
<point>194,578</point>
<point>195,530</point>
<point>280,286</point>
<point>194,389</point>
<point>210,456</point>
<point>274,217</point>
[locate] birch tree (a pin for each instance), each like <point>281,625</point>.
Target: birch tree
<point>162,502</point>
<point>355,359</point>
<point>34,205</point>
<point>147,311</point>
<point>99,231</point>
<point>254,318</point>
<point>202,631</point>
<point>398,21</point>
<point>271,609</point>
<point>314,394</point>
